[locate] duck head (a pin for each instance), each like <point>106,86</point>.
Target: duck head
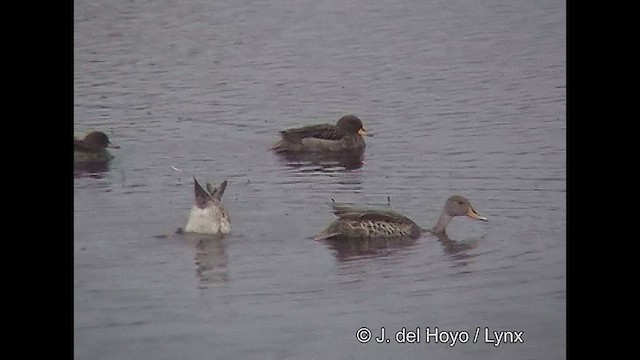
<point>456,206</point>
<point>351,125</point>
<point>98,140</point>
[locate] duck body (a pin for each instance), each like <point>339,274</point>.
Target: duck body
<point>365,223</point>
<point>208,216</point>
<point>211,220</point>
<point>103,155</point>
<point>93,148</point>
<point>347,134</point>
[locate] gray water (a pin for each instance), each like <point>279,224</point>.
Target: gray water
<point>461,97</point>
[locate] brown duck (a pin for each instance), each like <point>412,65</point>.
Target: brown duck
<point>347,134</point>
<point>93,148</point>
<point>364,223</point>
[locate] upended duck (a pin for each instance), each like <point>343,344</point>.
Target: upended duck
<point>347,134</point>
<point>93,148</point>
<point>208,216</point>
<point>364,223</point>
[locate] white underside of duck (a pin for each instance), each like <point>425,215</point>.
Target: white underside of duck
<point>211,220</point>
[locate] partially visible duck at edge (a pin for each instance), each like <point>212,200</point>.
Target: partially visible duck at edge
<point>208,216</point>
<point>347,134</point>
<point>364,223</point>
<point>93,148</point>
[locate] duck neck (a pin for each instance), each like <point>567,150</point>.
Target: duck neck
<point>442,223</point>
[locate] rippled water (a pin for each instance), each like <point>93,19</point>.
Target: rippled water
<point>461,97</point>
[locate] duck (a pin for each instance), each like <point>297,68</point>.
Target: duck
<point>367,223</point>
<point>347,134</point>
<point>93,148</point>
<point>208,216</point>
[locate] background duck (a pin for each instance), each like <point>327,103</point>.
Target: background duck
<point>207,215</point>
<point>93,148</point>
<point>354,222</point>
<point>347,134</point>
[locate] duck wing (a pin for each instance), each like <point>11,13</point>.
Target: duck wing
<point>360,213</point>
<point>320,131</point>
<point>78,145</point>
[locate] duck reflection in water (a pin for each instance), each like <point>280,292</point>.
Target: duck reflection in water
<point>349,160</point>
<point>95,170</point>
<point>210,256</point>
<point>211,261</point>
<point>346,249</point>
<point>457,250</point>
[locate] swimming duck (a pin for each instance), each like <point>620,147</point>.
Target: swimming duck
<point>93,148</point>
<point>207,215</point>
<point>364,223</point>
<point>347,134</point>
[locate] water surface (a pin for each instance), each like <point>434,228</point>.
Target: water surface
<point>461,96</point>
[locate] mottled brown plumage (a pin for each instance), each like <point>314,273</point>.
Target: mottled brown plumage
<point>346,134</point>
<point>354,222</point>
